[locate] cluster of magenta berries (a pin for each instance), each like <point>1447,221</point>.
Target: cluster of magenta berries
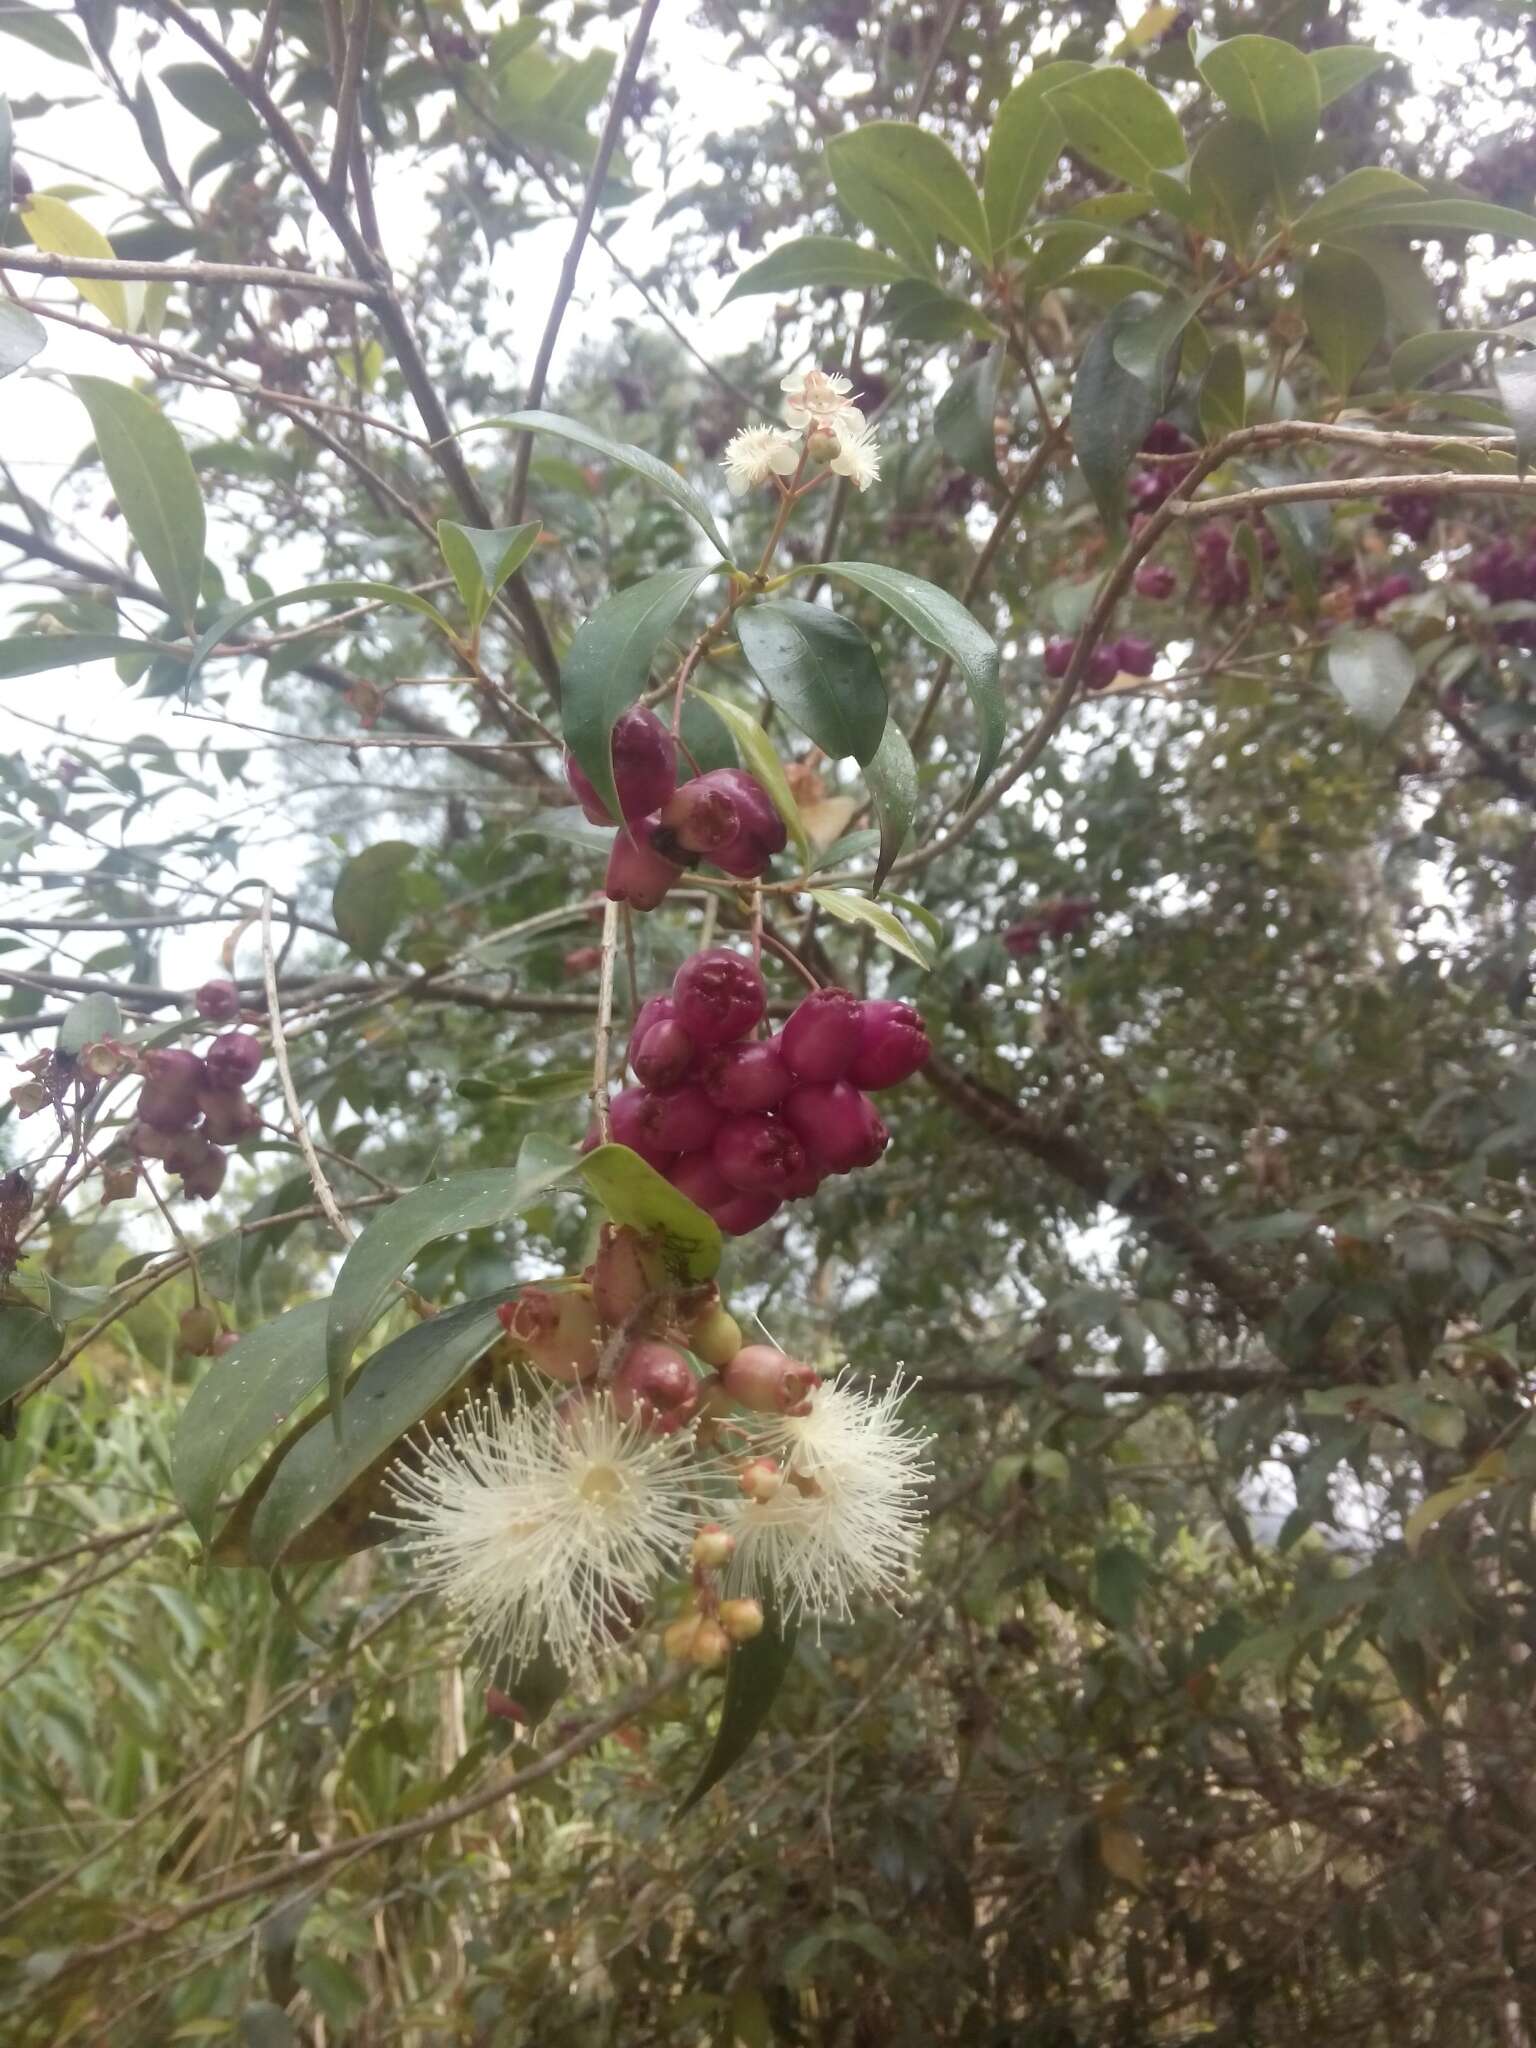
<point>724,816</point>
<point>1130,655</point>
<point>1060,918</point>
<point>1505,572</point>
<point>192,1105</point>
<point>1148,486</point>
<point>741,1124</point>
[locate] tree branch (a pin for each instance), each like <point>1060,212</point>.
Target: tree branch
<point>273,278</point>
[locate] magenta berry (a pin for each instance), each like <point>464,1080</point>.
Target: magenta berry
<point>218,1002</point>
<point>1103,667</point>
<point>654,1010</point>
<point>719,996</point>
<point>762,831</point>
<point>203,1180</point>
<point>168,1098</point>
<point>656,1386</point>
<point>1156,580</point>
<point>743,1214</point>
<point>663,1056</point>
<point>644,769</point>
<point>682,1120</point>
<point>822,1036</point>
<point>175,1067</point>
<point>836,1124</point>
<point>232,1059</point>
<point>697,1176</point>
<point>638,873</point>
<point>750,1075</point>
<point>702,816</point>
<point>892,1045</point>
<point>758,1155</point>
<point>1058,657</point>
<point>1135,656</point>
<point>227,1116</point>
<point>631,1119</point>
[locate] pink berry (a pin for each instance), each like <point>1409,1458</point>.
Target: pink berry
<point>168,1098</point>
<point>892,1046</point>
<point>656,1386</point>
<point>758,1155</point>
<point>232,1059</point>
<point>803,1184</point>
<point>654,1010</point>
<point>663,1056</point>
<point>822,1036</point>
<point>719,996</point>
<point>1022,940</point>
<point>837,1126</point>
<point>1156,580</point>
<point>1103,667</point>
<point>644,769</point>
<point>227,1116</point>
<point>203,1180</point>
<point>630,1121</point>
<point>218,1001</point>
<point>750,1075</point>
<point>744,1213</point>
<point>1136,657</point>
<point>682,1120</point>
<point>1058,656</point>
<point>638,874</point>
<point>702,817</point>
<point>764,1379</point>
<point>697,1176</point>
<point>183,1151</point>
<point>762,833</point>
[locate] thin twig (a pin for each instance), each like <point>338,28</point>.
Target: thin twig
<point>604,1030</point>
<point>306,1144</point>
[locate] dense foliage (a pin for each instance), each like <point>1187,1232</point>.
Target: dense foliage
<point>1157,722</point>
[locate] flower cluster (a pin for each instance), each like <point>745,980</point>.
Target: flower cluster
<point>824,427</point>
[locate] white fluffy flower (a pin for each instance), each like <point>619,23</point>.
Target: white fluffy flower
<point>819,398</point>
<point>539,1527</point>
<point>858,454</point>
<point>757,453</point>
<point>847,1523</point>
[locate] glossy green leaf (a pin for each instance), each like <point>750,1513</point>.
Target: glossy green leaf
<point>56,229</point>
<point>1022,150</point>
<point>1340,69</point>
<point>917,310</point>
<point>910,188</point>
<point>1355,191</point>
<point>820,671</point>
<point>481,558</point>
<point>29,654</point>
<point>1345,310</point>
<point>657,474</point>
<point>29,1343</point>
<point>1454,216</point>
<point>1120,1575</point>
<point>86,1022</point>
<point>1373,672</point>
<point>633,1192</point>
<point>817,262</point>
<point>944,623</point>
<point>1112,412</point>
<point>884,923</point>
<point>155,485</point>
<point>1229,182</point>
<point>209,97</point>
<point>1274,87</point>
<point>756,1673</point>
<point>1422,354</point>
<point>22,336</point>
<point>1119,123</point>
<point>892,780</point>
<point>369,899</point>
<point>1223,393</point>
<point>1147,345</point>
<point>347,587</point>
<point>1515,377</point>
<point>963,418</point>
<point>609,661</point>
<point>239,1402</point>
<point>44,30</point>
<point>758,755</point>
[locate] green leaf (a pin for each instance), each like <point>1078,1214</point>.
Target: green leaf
<point>441,1208</point>
<point>1345,310</point>
<point>1515,377</point>
<point>1456,216</point>
<point>1223,393</point>
<point>56,229</point>
<point>394,1390</point>
<point>29,1343</point>
<point>663,479</point>
<point>1119,123</point>
<point>1422,354</point>
<point>910,188</point>
<point>609,662</point>
<point>1373,672</point>
<point>368,898</point>
<point>22,336</point>
<point>1022,149</point>
<point>1352,194</point>
<point>1119,1576</point>
<point>963,418</point>
<point>45,31</point>
<point>1340,69</point>
<point>481,558</point>
<point>239,1402</point>
<point>917,310</point>
<point>758,755</point>
<point>944,623</point>
<point>29,654</point>
<point>892,779</point>
<point>210,98</point>
<point>885,924</point>
<point>1434,1508</point>
<point>820,262</point>
<point>820,671</point>
<point>633,1192</point>
<point>155,485</point>
<point>1229,182</point>
<point>756,1672</point>
<point>349,587</point>
<point>1146,345</point>
<point>68,1304</point>
<point>85,1023</point>
<point>1274,87</point>
<point>1303,531</point>
<point>1112,412</point>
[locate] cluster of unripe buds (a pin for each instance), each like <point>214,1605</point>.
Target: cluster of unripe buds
<point>724,816</point>
<point>741,1124</point>
<point>712,1626</point>
<point>192,1106</point>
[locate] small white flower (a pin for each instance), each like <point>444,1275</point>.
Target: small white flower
<point>848,1521</point>
<point>540,1527</point>
<point>814,397</point>
<point>858,454</point>
<point>757,453</point>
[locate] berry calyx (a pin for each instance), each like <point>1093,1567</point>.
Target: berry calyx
<point>822,1036</point>
<point>719,996</point>
<point>644,769</point>
<point>217,1001</point>
<point>892,1045</point>
<point>627,1272</point>
<point>558,1329</point>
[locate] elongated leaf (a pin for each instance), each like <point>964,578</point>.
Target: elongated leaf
<point>963,418</point>
<point>1223,393</point>
<point>1515,377</point>
<point>758,755</point>
<point>1434,1508</point>
<point>944,623</point>
<point>1345,310</point>
<point>29,1343</point>
<point>87,1022</point>
<point>892,779</point>
<point>240,1401</point>
<point>45,31</point>
<point>1373,672</point>
<point>757,1671</point>
<point>155,486</point>
<point>1457,216</point>
<point>381,593</point>
<point>1422,354</point>
<point>56,229</point>
<point>1022,149</point>
<point>1119,123</point>
<point>29,654</point>
<point>210,98</point>
<point>1271,85</point>
<point>609,662</point>
<point>917,310</point>
<point>397,1387</point>
<point>1340,69</point>
<point>820,671</point>
<point>368,898</point>
<point>1147,344</point>
<point>1112,412</point>
<point>657,474</point>
<point>1352,194</point>
<point>817,262</point>
<point>481,558</point>
<point>633,1192</point>
<point>910,188</point>
<point>885,924</point>
<point>22,336</point>
<point>1229,182</point>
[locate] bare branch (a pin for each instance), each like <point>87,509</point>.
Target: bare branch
<point>271,277</point>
